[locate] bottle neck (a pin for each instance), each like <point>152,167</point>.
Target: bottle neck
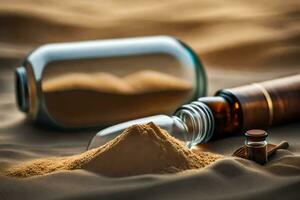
<point>209,118</point>
<point>198,120</point>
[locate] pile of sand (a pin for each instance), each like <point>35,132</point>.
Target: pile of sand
<point>140,149</point>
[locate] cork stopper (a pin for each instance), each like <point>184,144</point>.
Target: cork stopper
<point>256,134</point>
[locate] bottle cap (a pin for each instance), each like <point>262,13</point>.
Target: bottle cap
<point>256,134</point>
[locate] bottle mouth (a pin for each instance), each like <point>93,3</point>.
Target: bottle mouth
<point>21,89</point>
<point>199,121</point>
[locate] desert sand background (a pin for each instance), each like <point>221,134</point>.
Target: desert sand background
<point>233,34</point>
<point>238,41</point>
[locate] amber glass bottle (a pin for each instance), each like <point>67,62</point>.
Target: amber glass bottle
<point>236,110</point>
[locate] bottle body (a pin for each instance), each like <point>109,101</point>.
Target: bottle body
<point>256,146</point>
<point>268,103</point>
<point>99,83</point>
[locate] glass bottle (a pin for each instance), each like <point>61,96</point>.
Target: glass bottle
<point>230,111</point>
<point>103,82</point>
<point>256,145</point>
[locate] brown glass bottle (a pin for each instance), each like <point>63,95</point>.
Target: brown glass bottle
<point>233,111</point>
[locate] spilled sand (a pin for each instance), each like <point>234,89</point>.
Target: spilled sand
<point>140,149</point>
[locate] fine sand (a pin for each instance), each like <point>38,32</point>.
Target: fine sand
<point>119,158</point>
<point>137,95</point>
<point>239,42</point>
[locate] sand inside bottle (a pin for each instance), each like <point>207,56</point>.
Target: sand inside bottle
<point>102,98</point>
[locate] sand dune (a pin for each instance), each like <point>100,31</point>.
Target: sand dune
<point>139,94</point>
<point>138,82</point>
<point>239,33</point>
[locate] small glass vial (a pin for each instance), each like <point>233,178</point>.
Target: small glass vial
<point>256,146</point>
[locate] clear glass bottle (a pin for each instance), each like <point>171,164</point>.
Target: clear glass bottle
<point>99,83</point>
<point>229,112</point>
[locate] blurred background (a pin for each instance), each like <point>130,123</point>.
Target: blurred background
<point>237,40</point>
